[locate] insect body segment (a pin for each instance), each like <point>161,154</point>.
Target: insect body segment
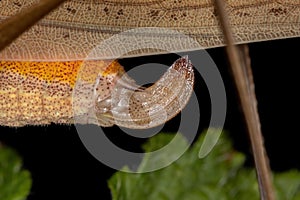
<point>34,92</point>
<point>89,92</point>
<point>41,92</point>
<point>149,107</point>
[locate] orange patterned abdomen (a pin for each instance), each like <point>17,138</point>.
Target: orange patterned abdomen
<point>41,92</point>
<point>90,92</point>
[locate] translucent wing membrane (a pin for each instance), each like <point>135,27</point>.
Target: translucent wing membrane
<point>78,26</point>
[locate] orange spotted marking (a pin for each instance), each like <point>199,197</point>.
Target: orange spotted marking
<point>63,72</point>
<point>41,92</point>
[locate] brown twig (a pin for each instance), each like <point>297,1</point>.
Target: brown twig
<point>241,69</point>
<point>14,26</point>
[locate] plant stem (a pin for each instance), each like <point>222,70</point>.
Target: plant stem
<point>241,69</point>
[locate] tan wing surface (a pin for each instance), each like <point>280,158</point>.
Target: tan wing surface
<point>73,30</point>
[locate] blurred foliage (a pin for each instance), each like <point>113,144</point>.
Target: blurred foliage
<point>15,183</point>
<point>220,175</point>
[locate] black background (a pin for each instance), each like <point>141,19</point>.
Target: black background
<point>61,166</point>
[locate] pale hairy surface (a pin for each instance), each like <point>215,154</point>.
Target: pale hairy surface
<point>76,27</point>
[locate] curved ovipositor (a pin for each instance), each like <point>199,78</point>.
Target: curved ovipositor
<point>132,107</point>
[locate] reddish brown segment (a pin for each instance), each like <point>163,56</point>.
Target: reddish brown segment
<point>91,92</point>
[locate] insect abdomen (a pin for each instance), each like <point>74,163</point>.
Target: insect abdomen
<point>36,93</point>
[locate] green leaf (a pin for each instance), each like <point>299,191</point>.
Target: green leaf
<point>220,175</point>
<point>15,183</point>
<point>288,185</point>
